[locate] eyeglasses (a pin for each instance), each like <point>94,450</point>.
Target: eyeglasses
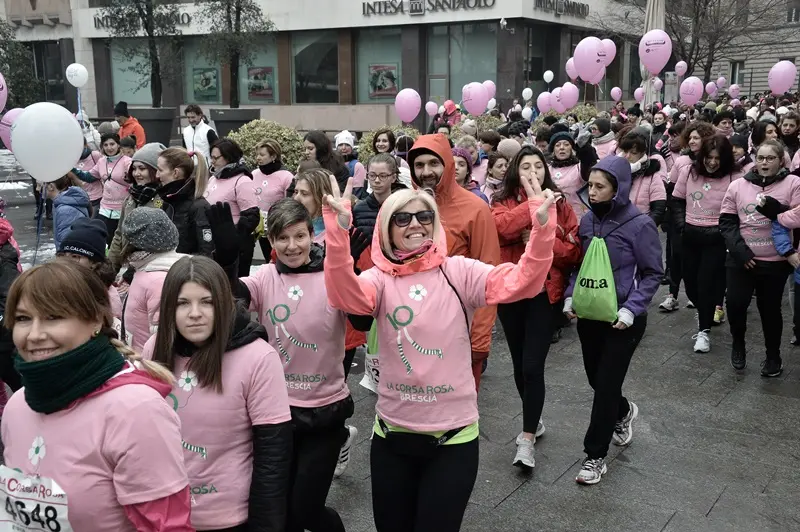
<point>402,219</point>
<point>379,177</point>
<point>768,158</point>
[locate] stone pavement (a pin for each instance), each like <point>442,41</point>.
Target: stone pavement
<point>713,450</point>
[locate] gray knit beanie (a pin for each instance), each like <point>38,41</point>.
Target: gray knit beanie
<point>149,229</point>
<point>149,153</point>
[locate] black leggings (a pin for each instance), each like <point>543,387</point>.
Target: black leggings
<point>412,494</point>
<point>704,273</point>
<point>607,353</point>
<point>246,250</point>
<point>111,226</point>
<point>767,280</point>
<point>266,248</point>
<point>349,355</point>
<point>529,326</point>
<point>313,462</point>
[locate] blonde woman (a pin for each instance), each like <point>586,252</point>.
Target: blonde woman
<point>310,189</point>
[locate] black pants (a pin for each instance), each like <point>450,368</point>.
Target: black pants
<point>767,280</point>
<point>313,462</point>
<point>247,247</point>
<point>111,226</point>
<point>704,273</point>
<point>529,326</point>
<point>349,355</point>
<point>607,353</point>
<point>675,260</point>
<point>412,494</point>
<point>266,248</point>
<point>37,196</point>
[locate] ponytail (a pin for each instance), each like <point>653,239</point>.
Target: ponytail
<point>200,176</point>
<point>154,369</point>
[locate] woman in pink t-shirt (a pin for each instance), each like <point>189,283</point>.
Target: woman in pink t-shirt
<point>91,431</point>
<point>753,263</point>
<point>231,399</point>
<point>698,196</point>
<point>291,300</point>
<point>570,166</point>
<point>271,181</point>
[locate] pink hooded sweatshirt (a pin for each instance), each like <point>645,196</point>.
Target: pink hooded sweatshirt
<point>426,376</point>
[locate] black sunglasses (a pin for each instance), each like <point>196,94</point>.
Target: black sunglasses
<point>402,219</point>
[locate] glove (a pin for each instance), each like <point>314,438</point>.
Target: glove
<point>223,230</point>
<point>772,208</point>
<point>359,241</point>
<point>583,138</point>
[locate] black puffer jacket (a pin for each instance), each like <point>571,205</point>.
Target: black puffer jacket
<point>248,218</point>
<point>189,216</point>
<point>8,273</point>
<point>365,212</point>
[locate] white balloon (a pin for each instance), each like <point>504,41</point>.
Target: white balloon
<point>548,76</point>
<point>441,109</point>
<point>518,108</point>
<point>527,94</point>
<point>492,104</point>
<point>47,124</point>
<point>527,113</point>
<point>77,75</point>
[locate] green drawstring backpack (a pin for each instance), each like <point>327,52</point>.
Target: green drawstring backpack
<point>595,294</point>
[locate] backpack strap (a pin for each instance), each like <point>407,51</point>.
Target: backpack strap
<point>463,308</point>
<point>623,223</point>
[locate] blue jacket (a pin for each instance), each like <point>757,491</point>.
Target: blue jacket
<point>782,239</point>
<point>71,204</point>
<point>631,238</point>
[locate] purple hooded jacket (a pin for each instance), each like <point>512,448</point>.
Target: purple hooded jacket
<point>631,238</point>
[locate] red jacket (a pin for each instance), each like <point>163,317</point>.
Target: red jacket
<point>512,217</point>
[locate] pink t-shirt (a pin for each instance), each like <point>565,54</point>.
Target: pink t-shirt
<point>569,181</point>
<point>305,330</point>
<point>217,428</point>
<point>114,449</point>
<point>703,196</point>
<point>237,190</point>
<point>143,305</point>
<point>742,198</point>
<point>270,188</point>
<point>795,162</point>
<point>112,174</point>
<point>645,190</point>
<point>680,162</point>
<point>94,189</point>
<point>479,172</point>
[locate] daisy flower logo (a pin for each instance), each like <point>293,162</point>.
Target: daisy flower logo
<point>295,292</point>
<point>417,292</point>
<point>37,451</point>
<point>188,380</point>
<point>707,186</point>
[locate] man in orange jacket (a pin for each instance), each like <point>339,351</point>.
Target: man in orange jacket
<point>467,221</point>
<point>128,125</point>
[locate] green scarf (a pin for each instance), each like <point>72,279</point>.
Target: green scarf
<point>53,384</point>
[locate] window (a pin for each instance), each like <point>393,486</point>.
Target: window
<point>47,62</point>
<point>130,72</point>
<point>379,63</point>
<point>315,67</point>
<point>459,54</point>
<point>737,73</point>
<point>258,81</point>
<point>793,11</point>
<point>202,80</point>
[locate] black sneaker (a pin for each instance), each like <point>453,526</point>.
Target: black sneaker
<point>556,336</point>
<point>484,365</point>
<point>772,367</point>
<point>665,280</point>
<point>738,358</point>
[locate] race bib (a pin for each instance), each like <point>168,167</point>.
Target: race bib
<point>117,324</point>
<point>31,503</point>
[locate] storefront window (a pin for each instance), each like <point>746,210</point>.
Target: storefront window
<point>438,50</point>
<point>460,54</point>
<point>202,80</point>
<point>47,60</point>
<point>315,68</point>
<point>130,81</point>
<point>379,63</point>
<point>259,80</point>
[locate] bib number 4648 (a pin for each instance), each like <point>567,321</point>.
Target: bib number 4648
<point>46,517</point>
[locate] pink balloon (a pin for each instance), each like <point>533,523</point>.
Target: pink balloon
<point>597,77</point>
<point>681,67</point>
<point>569,95</point>
<point>691,90</point>
<point>491,88</point>
<point>721,82</point>
<point>655,49</point>
<point>735,102</point>
<point>782,76</point>
<point>407,103</point>
<point>734,90</point>
<point>571,71</point>
<point>711,88</point>
<point>555,101</point>
<point>616,94</point>
<point>610,48</point>
<point>5,125</point>
<point>589,57</point>
<point>658,84</point>
<point>638,94</point>
<point>543,102</point>
<point>474,98</point>
<point>431,108</point>
<point>3,93</point>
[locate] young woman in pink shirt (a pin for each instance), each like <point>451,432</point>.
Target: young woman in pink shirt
<point>427,413</point>
<point>231,399</point>
<point>271,181</point>
<point>91,430</point>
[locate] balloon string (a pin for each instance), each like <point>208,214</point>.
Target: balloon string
<point>80,109</point>
<point>41,208</point>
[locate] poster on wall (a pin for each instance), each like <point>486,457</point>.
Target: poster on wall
<point>260,83</point>
<point>206,84</point>
<point>384,79</point>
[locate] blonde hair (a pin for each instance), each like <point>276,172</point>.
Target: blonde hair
<point>319,182</point>
<point>178,158</point>
<point>467,141</point>
<point>393,204</point>
<point>272,146</point>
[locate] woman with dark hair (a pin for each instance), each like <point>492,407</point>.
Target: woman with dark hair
<point>496,173</point>
<point>318,148</point>
<point>384,142</point>
<point>570,164</point>
<point>789,124</point>
<point>704,184</point>
<point>532,324</point>
<point>232,183</point>
<point>230,395</point>
<point>271,180</point>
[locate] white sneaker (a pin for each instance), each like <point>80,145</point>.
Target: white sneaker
<point>669,304</point>
<point>702,342</point>
<point>525,454</point>
<point>623,432</point>
<point>344,453</point>
<point>592,471</point>
<point>689,304</point>
<point>537,434</point>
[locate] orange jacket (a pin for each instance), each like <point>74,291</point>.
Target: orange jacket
<point>468,225</point>
<point>133,127</point>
